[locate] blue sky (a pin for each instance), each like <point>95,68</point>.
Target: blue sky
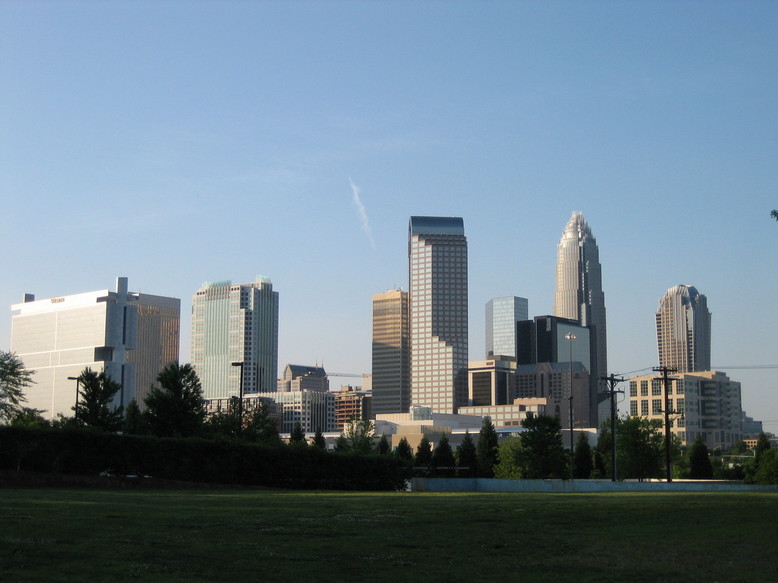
<point>182,142</point>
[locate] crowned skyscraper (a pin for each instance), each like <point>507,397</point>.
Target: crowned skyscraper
<point>683,330</point>
<point>437,257</point>
<point>579,296</point>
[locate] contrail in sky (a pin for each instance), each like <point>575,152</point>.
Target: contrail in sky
<point>362,212</point>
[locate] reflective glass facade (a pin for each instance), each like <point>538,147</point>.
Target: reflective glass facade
<point>501,317</point>
<point>391,352</point>
<point>437,253</point>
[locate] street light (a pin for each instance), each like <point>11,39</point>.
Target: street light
<point>570,337</point>
<point>240,403</point>
<point>78,386</point>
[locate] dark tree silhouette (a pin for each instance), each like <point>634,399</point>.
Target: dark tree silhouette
<point>176,406</point>
<point>96,393</point>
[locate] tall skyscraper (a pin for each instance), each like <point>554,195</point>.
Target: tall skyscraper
<point>391,352</point>
<point>502,314</point>
<point>235,324</point>
<point>683,330</point>
<point>130,336</point>
<point>579,295</point>
<point>437,257</point>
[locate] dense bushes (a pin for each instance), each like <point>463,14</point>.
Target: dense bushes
<point>81,451</point>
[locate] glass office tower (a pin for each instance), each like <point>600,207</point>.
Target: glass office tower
<point>391,352</point>
<point>231,324</point>
<point>437,256</point>
<point>502,314</point>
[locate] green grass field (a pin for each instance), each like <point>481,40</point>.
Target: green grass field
<point>242,535</point>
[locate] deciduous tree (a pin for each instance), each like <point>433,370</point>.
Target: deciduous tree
<point>509,466</point>
<point>359,434</point>
<point>640,446</point>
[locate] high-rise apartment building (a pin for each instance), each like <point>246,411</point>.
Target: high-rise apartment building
<point>130,336</point>
<point>391,352</point>
<point>683,330</point>
<point>235,324</point>
<point>437,257</point>
<point>501,317</point>
<point>705,404</point>
<point>579,295</point>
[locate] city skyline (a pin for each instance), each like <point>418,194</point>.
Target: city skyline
<point>175,143</point>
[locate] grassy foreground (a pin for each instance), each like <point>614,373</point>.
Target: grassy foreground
<point>243,535</point>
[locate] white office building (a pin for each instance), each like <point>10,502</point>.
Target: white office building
<point>131,336</point>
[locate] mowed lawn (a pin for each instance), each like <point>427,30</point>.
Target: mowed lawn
<point>245,535</point>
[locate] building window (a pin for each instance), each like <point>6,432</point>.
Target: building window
<point>633,408</point>
<point>644,388</point>
<point>656,406</point>
<point>644,407</point>
<point>633,388</point>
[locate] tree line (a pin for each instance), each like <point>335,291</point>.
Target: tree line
<point>175,408</point>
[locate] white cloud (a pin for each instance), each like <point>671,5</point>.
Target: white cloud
<point>362,212</point>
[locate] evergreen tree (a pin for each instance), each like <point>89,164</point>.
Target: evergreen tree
<point>383,445</point>
<point>544,455</point>
<point>95,396</point>
<point>423,457</point>
<point>134,422</point>
<point>259,426</point>
<point>443,457</point>
<point>342,444</point>
<point>404,451</point>
<point>467,464</point>
<point>699,460</point>
<point>582,458</point>
<point>486,450</point>
<point>14,378</point>
<point>176,406</point>
<point>297,437</point>
<point>318,439</point>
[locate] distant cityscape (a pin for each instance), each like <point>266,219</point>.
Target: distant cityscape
<point>421,383</point>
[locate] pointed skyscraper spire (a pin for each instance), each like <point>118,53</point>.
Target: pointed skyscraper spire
<point>579,295</point>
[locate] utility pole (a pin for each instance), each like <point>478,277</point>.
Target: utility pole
<point>666,383</point>
<point>612,380</point>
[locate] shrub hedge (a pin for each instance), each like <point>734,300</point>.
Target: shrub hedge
<point>86,452</point>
